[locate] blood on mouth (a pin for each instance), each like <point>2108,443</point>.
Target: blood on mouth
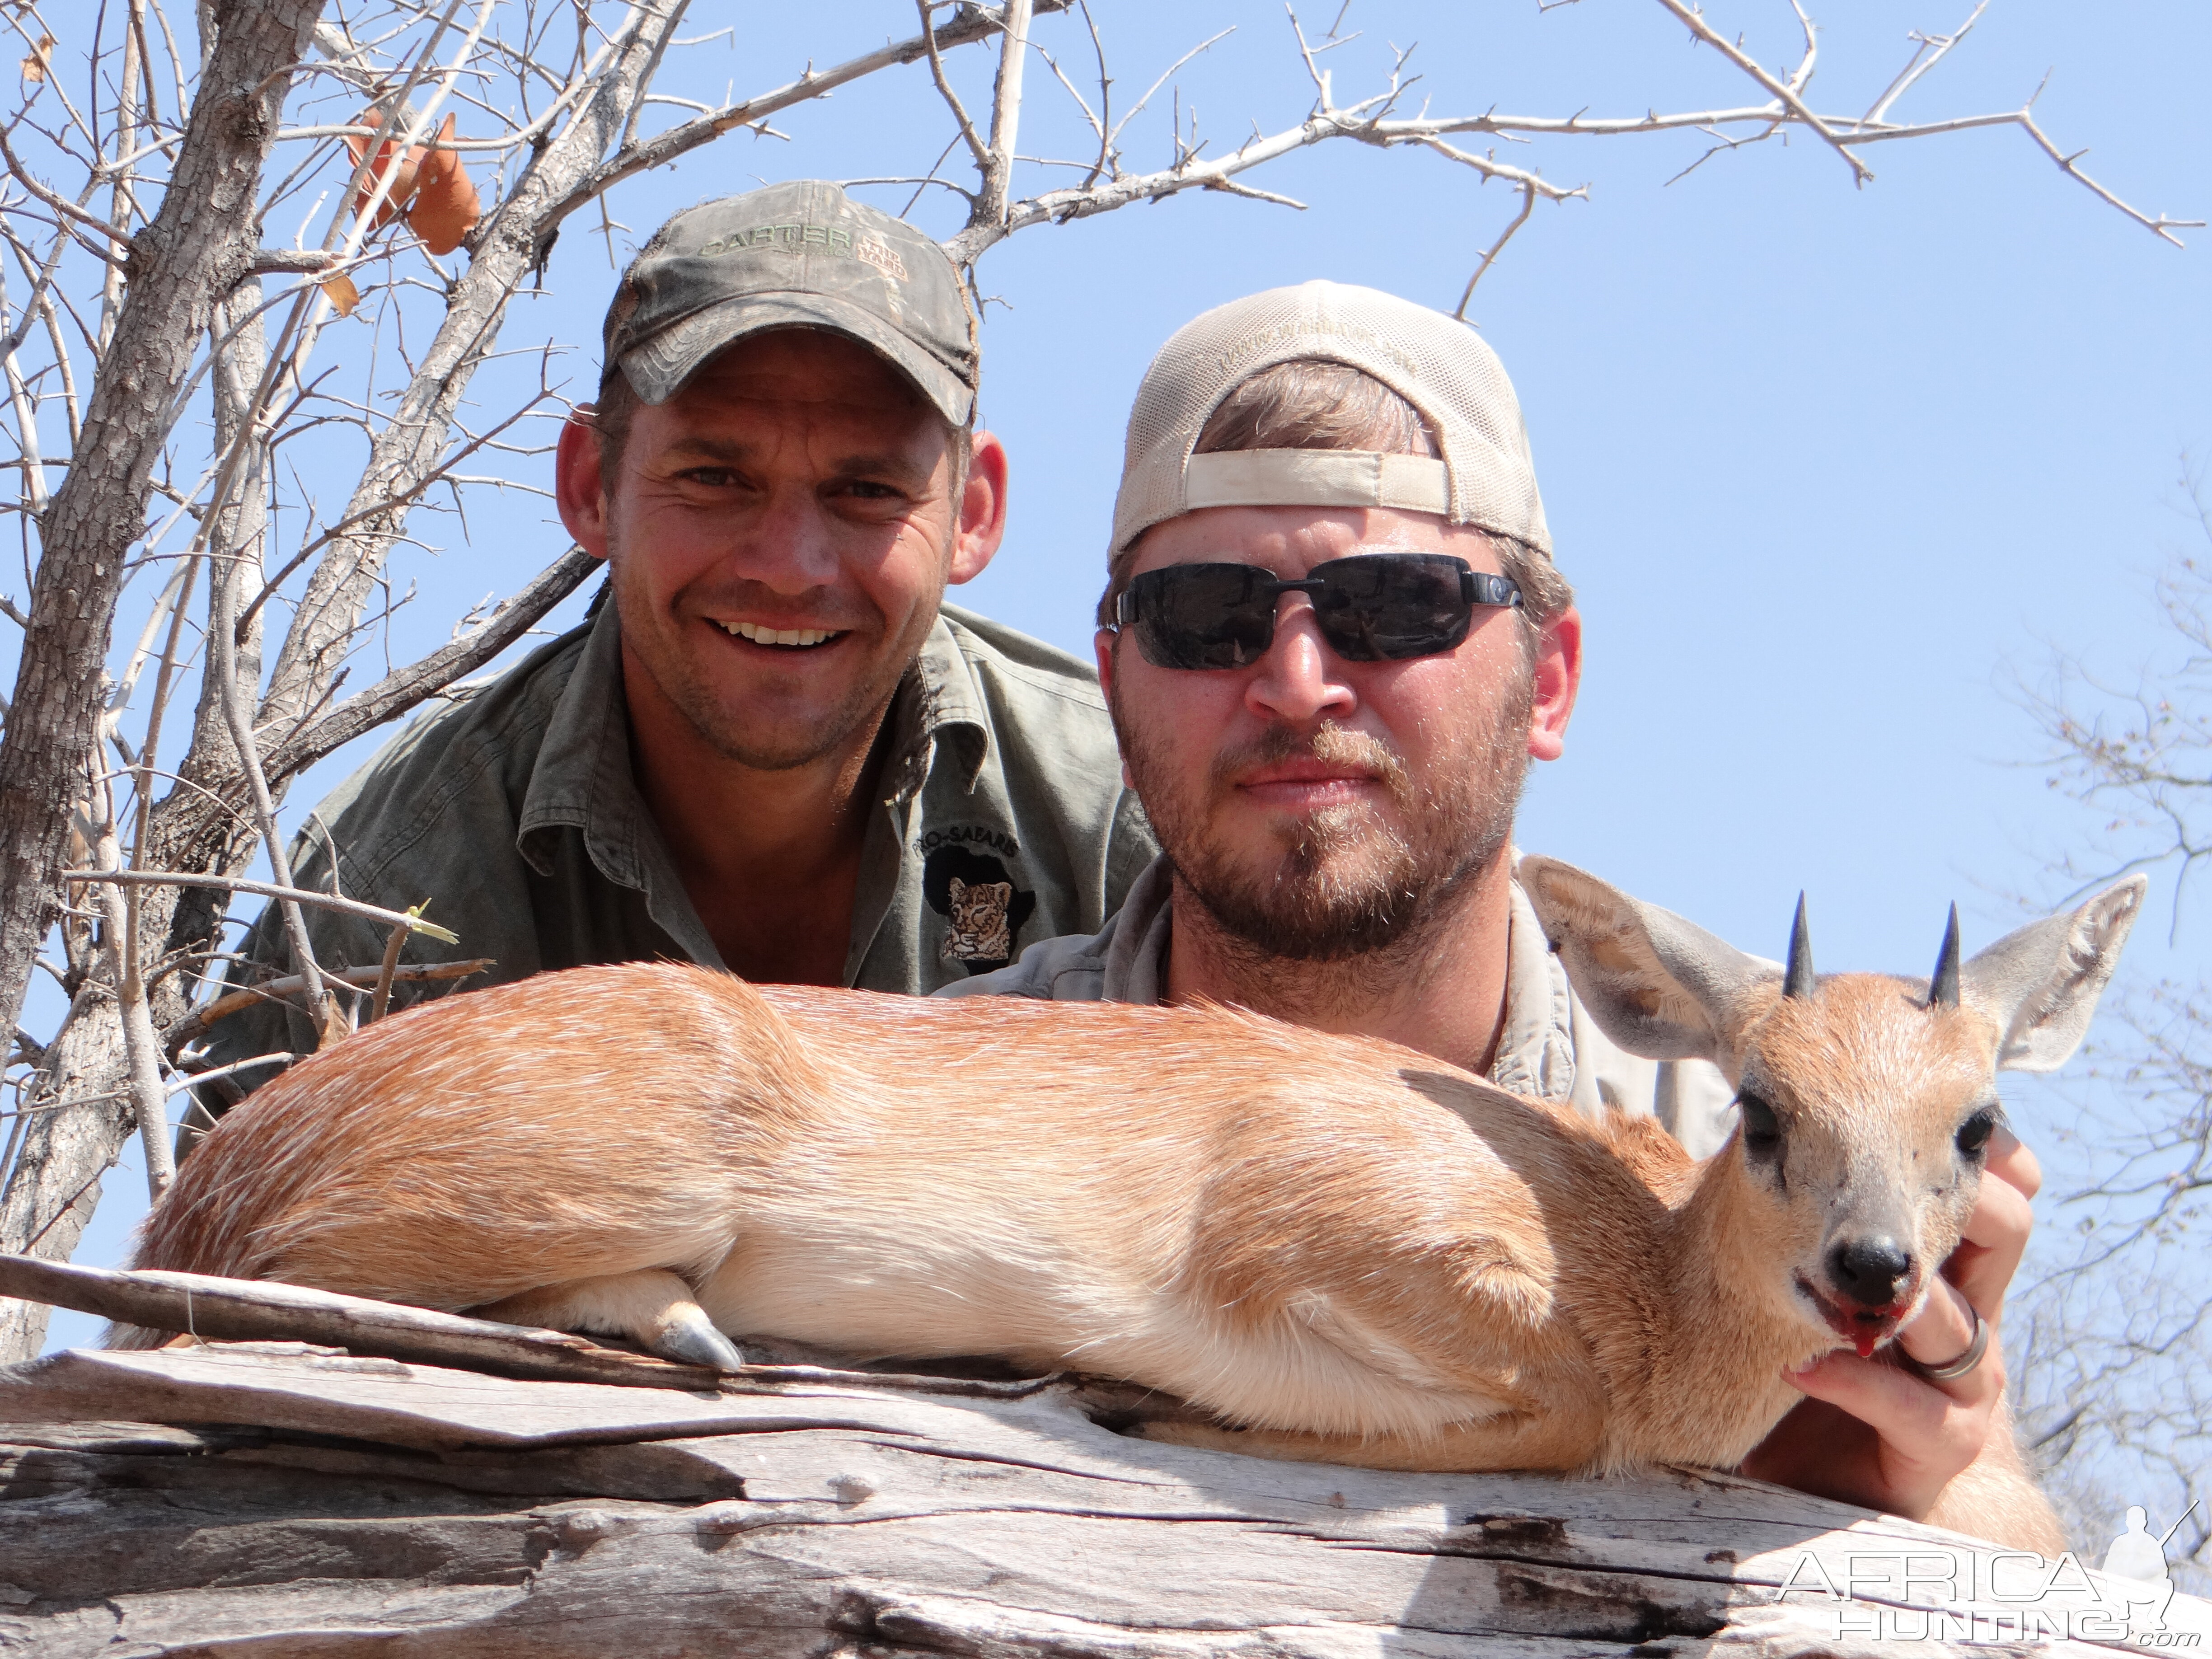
<point>1863,1328</point>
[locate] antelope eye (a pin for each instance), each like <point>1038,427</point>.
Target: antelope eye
<point>1974,1133</point>
<point>1762,1130</point>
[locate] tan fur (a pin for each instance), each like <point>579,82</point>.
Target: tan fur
<point>1349,1249</point>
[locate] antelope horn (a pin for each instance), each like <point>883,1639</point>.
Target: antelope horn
<point>1943,988</point>
<point>1798,981</point>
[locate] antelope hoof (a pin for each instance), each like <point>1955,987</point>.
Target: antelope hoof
<point>690,1339</point>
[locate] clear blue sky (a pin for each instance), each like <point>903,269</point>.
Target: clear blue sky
<point>1824,462</point>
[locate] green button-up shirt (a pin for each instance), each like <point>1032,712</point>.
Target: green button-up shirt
<point>1001,820</point>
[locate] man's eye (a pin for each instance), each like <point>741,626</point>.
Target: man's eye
<point>713,477</point>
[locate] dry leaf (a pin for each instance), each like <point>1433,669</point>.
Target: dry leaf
<point>338,1024</point>
<point>403,178</point>
<point>344,296</point>
<point>35,67</point>
<point>447,206</point>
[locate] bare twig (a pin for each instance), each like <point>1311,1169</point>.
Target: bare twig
<point>405,688</point>
<point>1785,92</point>
<point>1527,207</point>
<point>971,25</point>
<point>966,127</point>
<point>394,943</point>
<point>222,667</point>
<point>1923,59</point>
<point>998,164</point>
<point>196,1025</point>
<point>270,889</point>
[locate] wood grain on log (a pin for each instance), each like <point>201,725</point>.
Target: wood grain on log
<point>223,1500</point>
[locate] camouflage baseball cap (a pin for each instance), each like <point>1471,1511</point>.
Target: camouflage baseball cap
<point>802,255</point>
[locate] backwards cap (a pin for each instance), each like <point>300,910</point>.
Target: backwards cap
<point>1438,365</point>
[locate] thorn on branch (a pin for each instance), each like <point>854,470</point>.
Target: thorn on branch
<point>1231,187</point>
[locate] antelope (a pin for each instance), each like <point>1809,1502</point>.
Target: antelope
<point>1341,1249</point>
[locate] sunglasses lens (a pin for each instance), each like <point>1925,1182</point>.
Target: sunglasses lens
<point>1373,607</point>
<point>1204,616</point>
<point>1385,607</point>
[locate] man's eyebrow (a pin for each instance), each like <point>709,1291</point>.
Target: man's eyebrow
<point>887,463</point>
<point>709,449</point>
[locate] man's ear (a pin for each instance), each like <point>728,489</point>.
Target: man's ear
<point>1559,676</point>
<point>579,487</point>
<point>1101,646</point>
<point>2040,983</point>
<point>1658,986</point>
<point>982,508</point>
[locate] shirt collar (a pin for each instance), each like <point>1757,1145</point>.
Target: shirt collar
<point>938,700</point>
<point>1137,955</point>
<point>582,778</point>
<point>1536,1049</point>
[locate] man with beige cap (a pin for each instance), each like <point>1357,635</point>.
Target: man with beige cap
<point>1333,638</point>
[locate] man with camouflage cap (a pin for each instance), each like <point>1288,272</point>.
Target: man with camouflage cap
<point>768,750</point>
<point>1333,638</point>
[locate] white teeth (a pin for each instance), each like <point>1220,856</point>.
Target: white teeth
<point>760,635</point>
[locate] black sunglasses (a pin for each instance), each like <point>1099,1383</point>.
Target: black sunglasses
<point>1372,607</point>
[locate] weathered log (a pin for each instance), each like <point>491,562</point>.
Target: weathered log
<point>278,1499</point>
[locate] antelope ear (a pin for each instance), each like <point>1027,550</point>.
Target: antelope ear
<point>2040,984</point>
<point>1658,986</point>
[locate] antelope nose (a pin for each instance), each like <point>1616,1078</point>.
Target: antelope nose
<point>1867,1270</point>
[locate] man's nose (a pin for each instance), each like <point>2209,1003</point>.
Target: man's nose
<point>1300,679</point>
<point>789,546</point>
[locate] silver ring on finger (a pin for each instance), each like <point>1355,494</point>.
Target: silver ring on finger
<point>1952,1370</point>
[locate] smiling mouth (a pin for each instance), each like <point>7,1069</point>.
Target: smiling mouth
<point>790,639</point>
<point>1864,1328</point>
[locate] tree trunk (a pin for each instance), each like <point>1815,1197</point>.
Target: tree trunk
<point>55,1184</point>
<point>201,241</point>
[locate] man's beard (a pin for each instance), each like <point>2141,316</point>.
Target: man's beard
<point>1348,884</point>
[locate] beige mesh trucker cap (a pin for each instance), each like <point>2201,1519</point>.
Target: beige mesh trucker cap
<point>801,254</point>
<point>1440,366</point>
